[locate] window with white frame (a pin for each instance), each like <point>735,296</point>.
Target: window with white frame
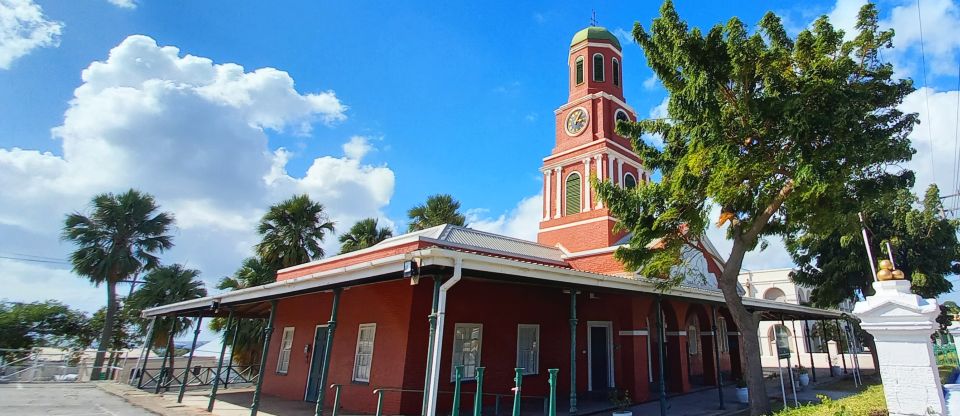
<point>466,349</point>
<point>286,344</point>
<point>364,356</point>
<point>528,348</point>
<point>722,334</point>
<point>693,339</point>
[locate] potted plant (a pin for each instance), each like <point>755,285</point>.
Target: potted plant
<point>621,401</point>
<point>743,395</point>
<point>804,376</point>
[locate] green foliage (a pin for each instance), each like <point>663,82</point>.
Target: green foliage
<point>292,232</point>
<point>438,210</point>
<point>870,402</point>
<point>247,349</point>
<point>925,248</point>
<point>125,327</point>
<point>42,324</point>
<point>162,286</point>
<point>363,234</point>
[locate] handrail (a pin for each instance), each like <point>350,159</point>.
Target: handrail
<point>497,396</point>
<point>336,398</point>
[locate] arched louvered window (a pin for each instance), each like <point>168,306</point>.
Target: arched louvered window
<point>579,70</point>
<point>598,67</point>
<point>629,181</point>
<point>616,72</point>
<point>573,194</point>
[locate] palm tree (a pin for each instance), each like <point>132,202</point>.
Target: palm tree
<point>363,234</point>
<point>292,232</point>
<point>440,209</point>
<point>246,350</point>
<point>165,285</point>
<point>122,236</point>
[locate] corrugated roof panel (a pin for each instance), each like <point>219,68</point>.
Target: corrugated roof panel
<point>484,240</point>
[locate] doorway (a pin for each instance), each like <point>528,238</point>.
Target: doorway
<point>600,356</point>
<point>316,363</point>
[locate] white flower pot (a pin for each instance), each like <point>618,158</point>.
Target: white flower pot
<point>804,379</point>
<point>743,395</point>
<point>622,413</point>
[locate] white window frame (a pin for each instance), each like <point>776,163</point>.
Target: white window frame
<point>459,352</point>
<point>536,349</point>
<point>593,68</point>
<point>286,346</point>
<point>615,63</point>
<point>356,355</point>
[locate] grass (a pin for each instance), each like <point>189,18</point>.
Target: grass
<point>870,402</point>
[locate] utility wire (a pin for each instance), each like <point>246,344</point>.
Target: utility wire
<point>926,95</point>
<point>35,260</point>
<point>956,145</point>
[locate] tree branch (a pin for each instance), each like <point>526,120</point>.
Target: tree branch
<point>751,235</point>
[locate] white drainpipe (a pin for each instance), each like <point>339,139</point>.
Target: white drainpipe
<point>438,339</point>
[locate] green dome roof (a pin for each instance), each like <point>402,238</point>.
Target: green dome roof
<point>596,32</point>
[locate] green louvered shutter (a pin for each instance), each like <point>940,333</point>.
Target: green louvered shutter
<point>573,194</point>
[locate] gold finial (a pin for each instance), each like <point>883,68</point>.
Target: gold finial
<point>887,272</point>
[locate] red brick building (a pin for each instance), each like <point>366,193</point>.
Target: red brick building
<point>501,303</point>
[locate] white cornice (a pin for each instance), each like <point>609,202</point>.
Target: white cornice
<point>600,94</point>
<point>582,46</point>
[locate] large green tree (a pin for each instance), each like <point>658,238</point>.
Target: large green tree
<point>292,232</point>
<point>122,235</point>
<point>246,350</point>
<point>782,135</point>
<point>41,324</point>
<point>165,285</point>
<point>438,210</point>
<point>363,234</point>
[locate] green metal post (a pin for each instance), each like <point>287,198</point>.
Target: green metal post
<point>336,399</point>
<point>716,353</point>
<point>660,337</point>
<point>325,369</point>
<point>267,334</point>
<point>186,371</point>
<point>457,375</point>
<point>147,346</point>
<point>379,402</point>
<point>573,352</point>
<point>809,345</point>
<point>236,330</point>
<point>166,353</point>
<point>517,380</point>
<point>552,410</point>
<point>433,333</point>
<point>478,398</point>
<point>840,343</point>
<point>216,376</point>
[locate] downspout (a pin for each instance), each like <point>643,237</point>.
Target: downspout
<point>438,340</point>
<point>433,332</point>
<point>328,347</point>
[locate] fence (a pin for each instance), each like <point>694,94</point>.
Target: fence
<point>195,376</point>
<point>66,366</point>
<point>946,355</point>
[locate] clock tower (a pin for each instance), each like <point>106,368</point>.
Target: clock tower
<point>588,147</point>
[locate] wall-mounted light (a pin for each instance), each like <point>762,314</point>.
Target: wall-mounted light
<point>411,270</point>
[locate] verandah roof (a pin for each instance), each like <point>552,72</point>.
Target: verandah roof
<point>252,302</point>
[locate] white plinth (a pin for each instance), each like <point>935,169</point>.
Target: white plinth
<point>901,323</point>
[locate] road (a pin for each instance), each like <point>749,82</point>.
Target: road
<point>63,399</point>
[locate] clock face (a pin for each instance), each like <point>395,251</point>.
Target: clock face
<point>577,121</point>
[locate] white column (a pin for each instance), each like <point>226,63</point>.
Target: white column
<point>599,159</point>
<point>610,161</point>
<point>620,172</point>
<point>546,194</point>
<point>556,171</point>
<point>585,183</point>
<point>901,324</point>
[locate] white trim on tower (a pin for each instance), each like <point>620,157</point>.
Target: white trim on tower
<point>585,183</point>
<point>599,159</point>
<point>546,194</point>
<point>556,170</point>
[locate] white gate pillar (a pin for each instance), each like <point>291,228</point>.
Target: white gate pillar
<point>901,324</point>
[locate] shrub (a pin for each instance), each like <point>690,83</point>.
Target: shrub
<point>870,402</point>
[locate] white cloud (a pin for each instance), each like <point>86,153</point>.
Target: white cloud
<point>125,4</point>
<point>194,134</point>
<point>624,35</point>
<point>357,147</point>
<point>522,222</point>
<point>651,83</point>
<point>23,28</point>
<point>936,166</point>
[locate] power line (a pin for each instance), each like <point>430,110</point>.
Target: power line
<point>64,262</point>
<point>956,144</point>
<point>926,94</point>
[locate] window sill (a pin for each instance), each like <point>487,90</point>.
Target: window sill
<point>360,383</point>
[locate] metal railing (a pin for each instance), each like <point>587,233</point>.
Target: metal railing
<point>34,365</point>
<point>196,376</point>
<point>946,354</point>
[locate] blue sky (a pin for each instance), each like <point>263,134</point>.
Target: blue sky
<point>390,102</point>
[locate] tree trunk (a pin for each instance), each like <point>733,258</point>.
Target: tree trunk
<point>106,336</point>
<point>747,324</point>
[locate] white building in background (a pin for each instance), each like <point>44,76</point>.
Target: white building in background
<point>777,285</point>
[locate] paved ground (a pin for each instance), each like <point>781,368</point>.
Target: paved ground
<point>63,399</point>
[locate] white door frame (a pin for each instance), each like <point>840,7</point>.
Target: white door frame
<point>306,387</point>
<point>609,326</point>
